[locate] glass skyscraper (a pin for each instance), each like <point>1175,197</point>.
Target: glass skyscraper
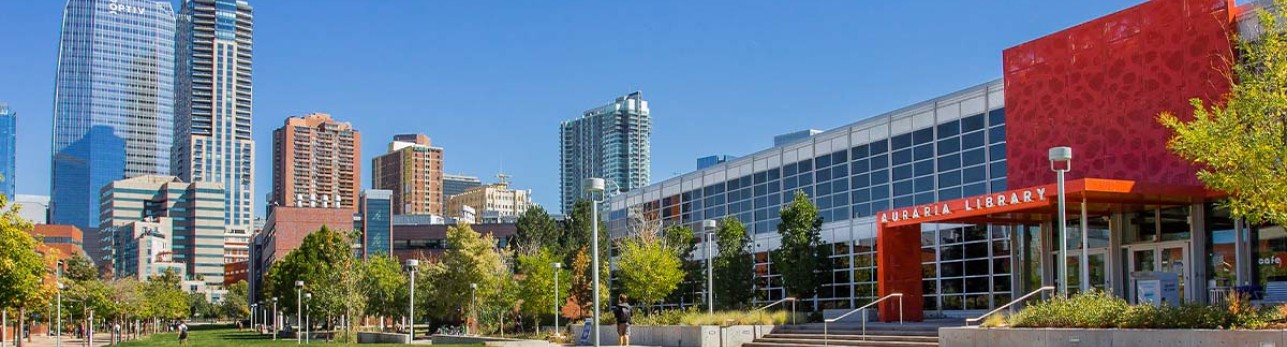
<point>8,141</point>
<point>212,112</point>
<point>113,102</point>
<point>610,142</point>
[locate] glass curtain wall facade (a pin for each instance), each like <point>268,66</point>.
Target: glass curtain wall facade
<point>8,143</point>
<point>212,124</point>
<point>941,149</point>
<point>610,142</point>
<point>113,101</point>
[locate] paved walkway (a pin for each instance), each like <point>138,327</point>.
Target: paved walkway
<point>51,341</point>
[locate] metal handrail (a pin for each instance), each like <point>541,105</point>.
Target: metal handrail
<point>825,340</point>
<point>775,303</point>
<point>1007,305</point>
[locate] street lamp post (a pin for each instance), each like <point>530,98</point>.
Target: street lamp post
<point>299,310</point>
<point>307,307</point>
<point>252,317</point>
<point>1060,163</point>
<point>58,278</point>
<point>595,185</point>
<point>276,320</point>
<point>473,289</point>
<point>708,226</point>
<point>412,264</point>
<point>557,267</point>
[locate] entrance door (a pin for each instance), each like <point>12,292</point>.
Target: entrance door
<point>1098,270</point>
<point>1163,257</point>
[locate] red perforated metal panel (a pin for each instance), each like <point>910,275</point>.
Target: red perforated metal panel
<point>1099,86</point>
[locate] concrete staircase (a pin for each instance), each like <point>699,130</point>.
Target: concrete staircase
<point>919,334</point>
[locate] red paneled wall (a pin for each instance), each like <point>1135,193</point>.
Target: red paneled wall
<point>1098,87</point>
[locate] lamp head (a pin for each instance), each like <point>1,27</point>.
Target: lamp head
<point>308,295</point>
<point>708,224</point>
<point>594,185</point>
<point>558,265</point>
<point>473,286</point>
<point>299,284</point>
<point>413,263</point>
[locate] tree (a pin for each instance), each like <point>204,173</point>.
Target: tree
<point>537,285</point>
<point>683,241</point>
<point>21,268</point>
<point>733,267</point>
<point>648,268</point>
<point>384,286</point>
<point>79,268</point>
<point>1240,145</point>
<point>236,304</point>
<point>536,231</point>
<point>199,306</point>
<point>325,262</point>
<point>580,292</point>
<point>802,258</point>
<point>576,232</point>
<point>472,259</point>
<point>165,298</point>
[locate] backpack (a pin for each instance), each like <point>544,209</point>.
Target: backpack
<point>625,314</point>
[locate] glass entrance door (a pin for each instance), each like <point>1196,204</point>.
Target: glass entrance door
<point>1163,257</point>
<point>1098,270</point>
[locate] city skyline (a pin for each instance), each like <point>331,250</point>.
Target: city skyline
<point>728,90</point>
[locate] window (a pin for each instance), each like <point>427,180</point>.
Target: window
<point>901,141</point>
<point>996,134</point>
<point>949,129</point>
<point>972,123</point>
<point>949,162</point>
<point>972,140</point>
<point>924,151</point>
<point>973,157</point>
<point>996,117</point>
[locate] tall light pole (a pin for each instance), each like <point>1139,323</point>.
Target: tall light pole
<point>308,296</point>
<point>473,289</point>
<point>1060,163</point>
<point>276,321</point>
<point>299,310</point>
<point>708,228</point>
<point>595,185</point>
<point>252,317</point>
<point>412,264</point>
<point>58,278</point>
<point>557,267</point>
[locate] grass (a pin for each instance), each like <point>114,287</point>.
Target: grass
<point>212,336</point>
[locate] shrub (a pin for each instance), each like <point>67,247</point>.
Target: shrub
<point>994,321</point>
<point>1093,309</point>
<point>697,316</point>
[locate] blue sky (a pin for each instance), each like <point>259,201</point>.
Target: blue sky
<point>489,81</point>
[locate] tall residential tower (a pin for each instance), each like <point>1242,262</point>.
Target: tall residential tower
<point>212,127</point>
<point>412,169</point>
<point>316,163</point>
<point>113,103</point>
<point>612,142</point>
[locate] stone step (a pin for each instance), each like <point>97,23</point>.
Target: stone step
<point>900,338</point>
<point>857,331</point>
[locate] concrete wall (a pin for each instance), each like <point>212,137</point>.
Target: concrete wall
<point>369,337</point>
<point>1024,337</point>
<point>490,341</point>
<point>681,336</point>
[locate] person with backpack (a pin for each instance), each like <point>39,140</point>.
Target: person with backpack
<point>183,333</point>
<point>623,313</point>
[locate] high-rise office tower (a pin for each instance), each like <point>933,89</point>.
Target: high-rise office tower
<point>316,163</point>
<point>113,102</point>
<point>611,142</point>
<point>212,127</point>
<point>456,184</point>
<point>412,169</point>
<point>8,141</point>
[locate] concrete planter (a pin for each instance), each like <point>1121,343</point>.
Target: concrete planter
<point>488,341</point>
<point>1003,337</point>
<point>370,337</point>
<point>680,335</point>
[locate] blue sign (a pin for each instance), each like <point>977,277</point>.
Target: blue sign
<point>585,333</point>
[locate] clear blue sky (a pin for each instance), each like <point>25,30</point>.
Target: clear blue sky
<point>489,81</point>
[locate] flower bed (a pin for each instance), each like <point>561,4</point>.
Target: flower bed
<point>1097,309</point>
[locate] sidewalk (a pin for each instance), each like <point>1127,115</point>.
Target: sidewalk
<point>51,341</point>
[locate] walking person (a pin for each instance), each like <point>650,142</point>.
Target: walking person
<point>623,313</point>
<point>183,333</point>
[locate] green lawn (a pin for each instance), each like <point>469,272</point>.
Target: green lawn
<point>216,336</point>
